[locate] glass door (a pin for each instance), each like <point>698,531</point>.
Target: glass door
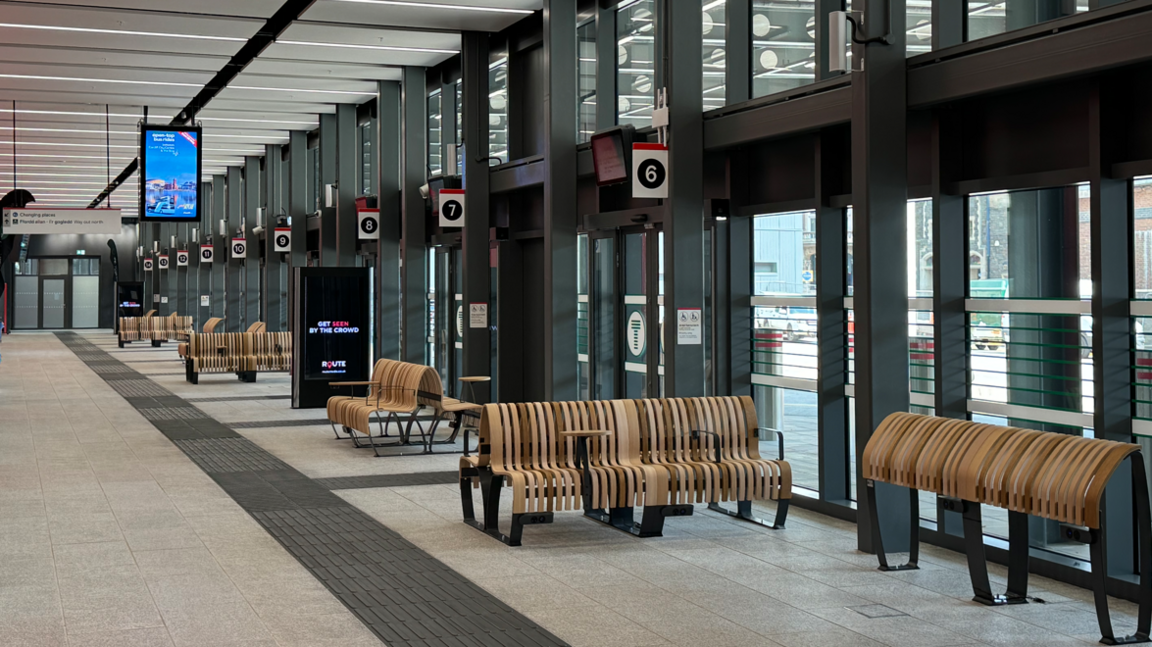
<point>448,314</point>
<point>636,318</point>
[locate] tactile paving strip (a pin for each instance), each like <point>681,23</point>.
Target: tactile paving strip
<point>401,593</point>
<point>173,413</point>
<point>389,480</point>
<point>216,455</point>
<point>238,398</point>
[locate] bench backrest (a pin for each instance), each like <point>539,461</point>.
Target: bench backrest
<point>210,325</point>
<point>1050,475</point>
<point>256,327</point>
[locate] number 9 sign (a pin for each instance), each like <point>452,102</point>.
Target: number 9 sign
<point>649,170</point>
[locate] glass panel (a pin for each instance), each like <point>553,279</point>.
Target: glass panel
<point>27,315</point>
<point>53,303</point>
<point>794,413</point>
<point>583,379</point>
<point>714,54</point>
<point>586,81</point>
<point>459,103</point>
<point>435,166</point>
<point>86,302</point>
<point>636,63</point>
<point>498,110</point>
<point>635,318</point>
<point>53,266</point>
<point>604,297</point>
<point>366,160</point>
<point>430,346</point>
<point>919,27</point>
<point>314,179</point>
<point>783,45</point>
<point>784,254</point>
<point>990,18</point>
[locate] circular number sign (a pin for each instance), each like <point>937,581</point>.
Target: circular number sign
<point>452,210</point>
<point>282,240</point>
<point>652,174</point>
<point>368,225</point>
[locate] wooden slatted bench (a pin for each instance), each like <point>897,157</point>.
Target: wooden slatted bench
<point>615,455</point>
<point>154,329</point>
<point>209,327</point>
<point>244,354</point>
<point>1053,476</point>
<point>397,389</point>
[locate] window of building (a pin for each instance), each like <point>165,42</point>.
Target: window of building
<point>366,181</point>
<point>585,81</point>
<point>435,166</point>
<point>498,109</point>
<point>783,45</point>
<point>714,23</point>
<point>636,63</point>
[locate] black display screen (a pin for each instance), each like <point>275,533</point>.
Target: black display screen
<point>608,157</point>
<point>336,319</point>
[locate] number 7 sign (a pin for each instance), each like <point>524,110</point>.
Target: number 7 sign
<point>451,207</point>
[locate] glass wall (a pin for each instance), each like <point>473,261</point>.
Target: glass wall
<point>435,150</point>
<point>714,26</point>
<point>636,63</point>
<point>498,110</point>
<point>783,45</point>
<point>585,81</point>
<point>365,180</point>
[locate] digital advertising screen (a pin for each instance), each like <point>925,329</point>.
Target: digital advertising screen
<point>170,164</point>
<point>610,155</point>
<point>332,319</point>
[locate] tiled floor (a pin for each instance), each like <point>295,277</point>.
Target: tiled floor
<point>110,535</point>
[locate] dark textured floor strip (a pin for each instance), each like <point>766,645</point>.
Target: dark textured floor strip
<point>234,398</point>
<point>389,480</point>
<point>404,595</point>
<point>263,424</point>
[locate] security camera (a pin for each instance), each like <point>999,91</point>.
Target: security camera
<point>425,191</point>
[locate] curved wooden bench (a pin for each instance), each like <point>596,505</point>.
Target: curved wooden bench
<point>209,327</point>
<point>1054,476</point>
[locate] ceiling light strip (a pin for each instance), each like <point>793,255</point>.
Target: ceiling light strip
<point>436,5</point>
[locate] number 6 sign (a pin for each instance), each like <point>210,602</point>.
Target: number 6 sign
<point>649,170</point>
<point>451,207</point>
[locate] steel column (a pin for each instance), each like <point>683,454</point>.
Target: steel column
<point>683,223</point>
<point>272,288</point>
<point>476,273</point>
<point>234,305</point>
<point>251,264</point>
<point>413,247</point>
<point>218,283</point>
<point>328,215</point>
<point>297,195</point>
<point>879,195</point>
<point>949,23</point>
<point>346,168</point>
<point>832,325</point>
<point>560,215</point>
<point>388,300</point>
<point>738,51</point>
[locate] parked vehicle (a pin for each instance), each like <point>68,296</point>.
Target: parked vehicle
<point>797,323</point>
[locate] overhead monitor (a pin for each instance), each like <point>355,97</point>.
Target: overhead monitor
<point>610,150</point>
<point>171,158</point>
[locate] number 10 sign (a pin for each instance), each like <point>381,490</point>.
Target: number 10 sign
<point>649,170</point>
<point>451,207</point>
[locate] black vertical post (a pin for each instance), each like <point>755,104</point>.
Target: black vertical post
<point>388,191</point>
<point>605,67</point>
<point>297,193</point>
<point>1111,227</point>
<point>949,23</point>
<point>476,276</point>
<point>560,216</point>
<point>181,289</point>
<point>414,291</point>
<point>234,307</point>
<point>328,215</point>
<point>879,195</point>
<point>346,167</point>
<point>738,302</point>
<point>271,288</point>
<point>683,221</point>
<point>251,264</point>
<point>738,51</point>
<point>831,331</point>
<point>218,279</point>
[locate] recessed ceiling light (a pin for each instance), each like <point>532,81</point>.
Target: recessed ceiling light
<point>258,121</point>
<point>70,156</point>
<point>37,77</point>
<point>436,5</point>
<point>252,87</point>
<point>386,48</point>
<point>123,32</point>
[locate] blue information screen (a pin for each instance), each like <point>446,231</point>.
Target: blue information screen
<point>170,173</point>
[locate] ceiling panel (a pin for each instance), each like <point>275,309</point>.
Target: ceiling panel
<point>247,8</point>
<point>159,106</point>
<point>351,55</point>
<point>454,18</point>
<point>332,70</point>
<point>246,79</point>
<point>76,56</point>
<point>226,107</point>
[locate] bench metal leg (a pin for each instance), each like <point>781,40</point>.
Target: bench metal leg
<point>744,511</point>
<point>490,486</point>
<point>1099,565</point>
<point>878,539</point>
<point>468,508</point>
<point>978,561</point>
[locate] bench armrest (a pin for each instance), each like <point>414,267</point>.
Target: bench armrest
<point>695,435</point>
<point>768,433</point>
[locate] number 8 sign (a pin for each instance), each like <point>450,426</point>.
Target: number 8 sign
<point>451,207</point>
<point>649,170</point>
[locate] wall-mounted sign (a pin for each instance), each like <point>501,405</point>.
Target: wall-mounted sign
<point>162,261</point>
<point>689,327</point>
<point>649,170</point>
<point>636,333</point>
<point>182,258</point>
<point>163,299</point>
<point>369,224</point>
<point>205,300</point>
<point>451,207</point>
<point>239,248</point>
<point>206,253</point>
<point>282,239</point>
<point>148,265</point>
<point>477,315</point>
<point>61,221</point>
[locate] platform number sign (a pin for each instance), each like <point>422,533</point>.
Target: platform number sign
<point>451,207</point>
<point>206,253</point>
<point>369,224</point>
<point>147,265</point>
<point>649,170</point>
<point>239,248</point>
<point>181,258</point>
<point>162,261</point>
<point>282,240</point>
